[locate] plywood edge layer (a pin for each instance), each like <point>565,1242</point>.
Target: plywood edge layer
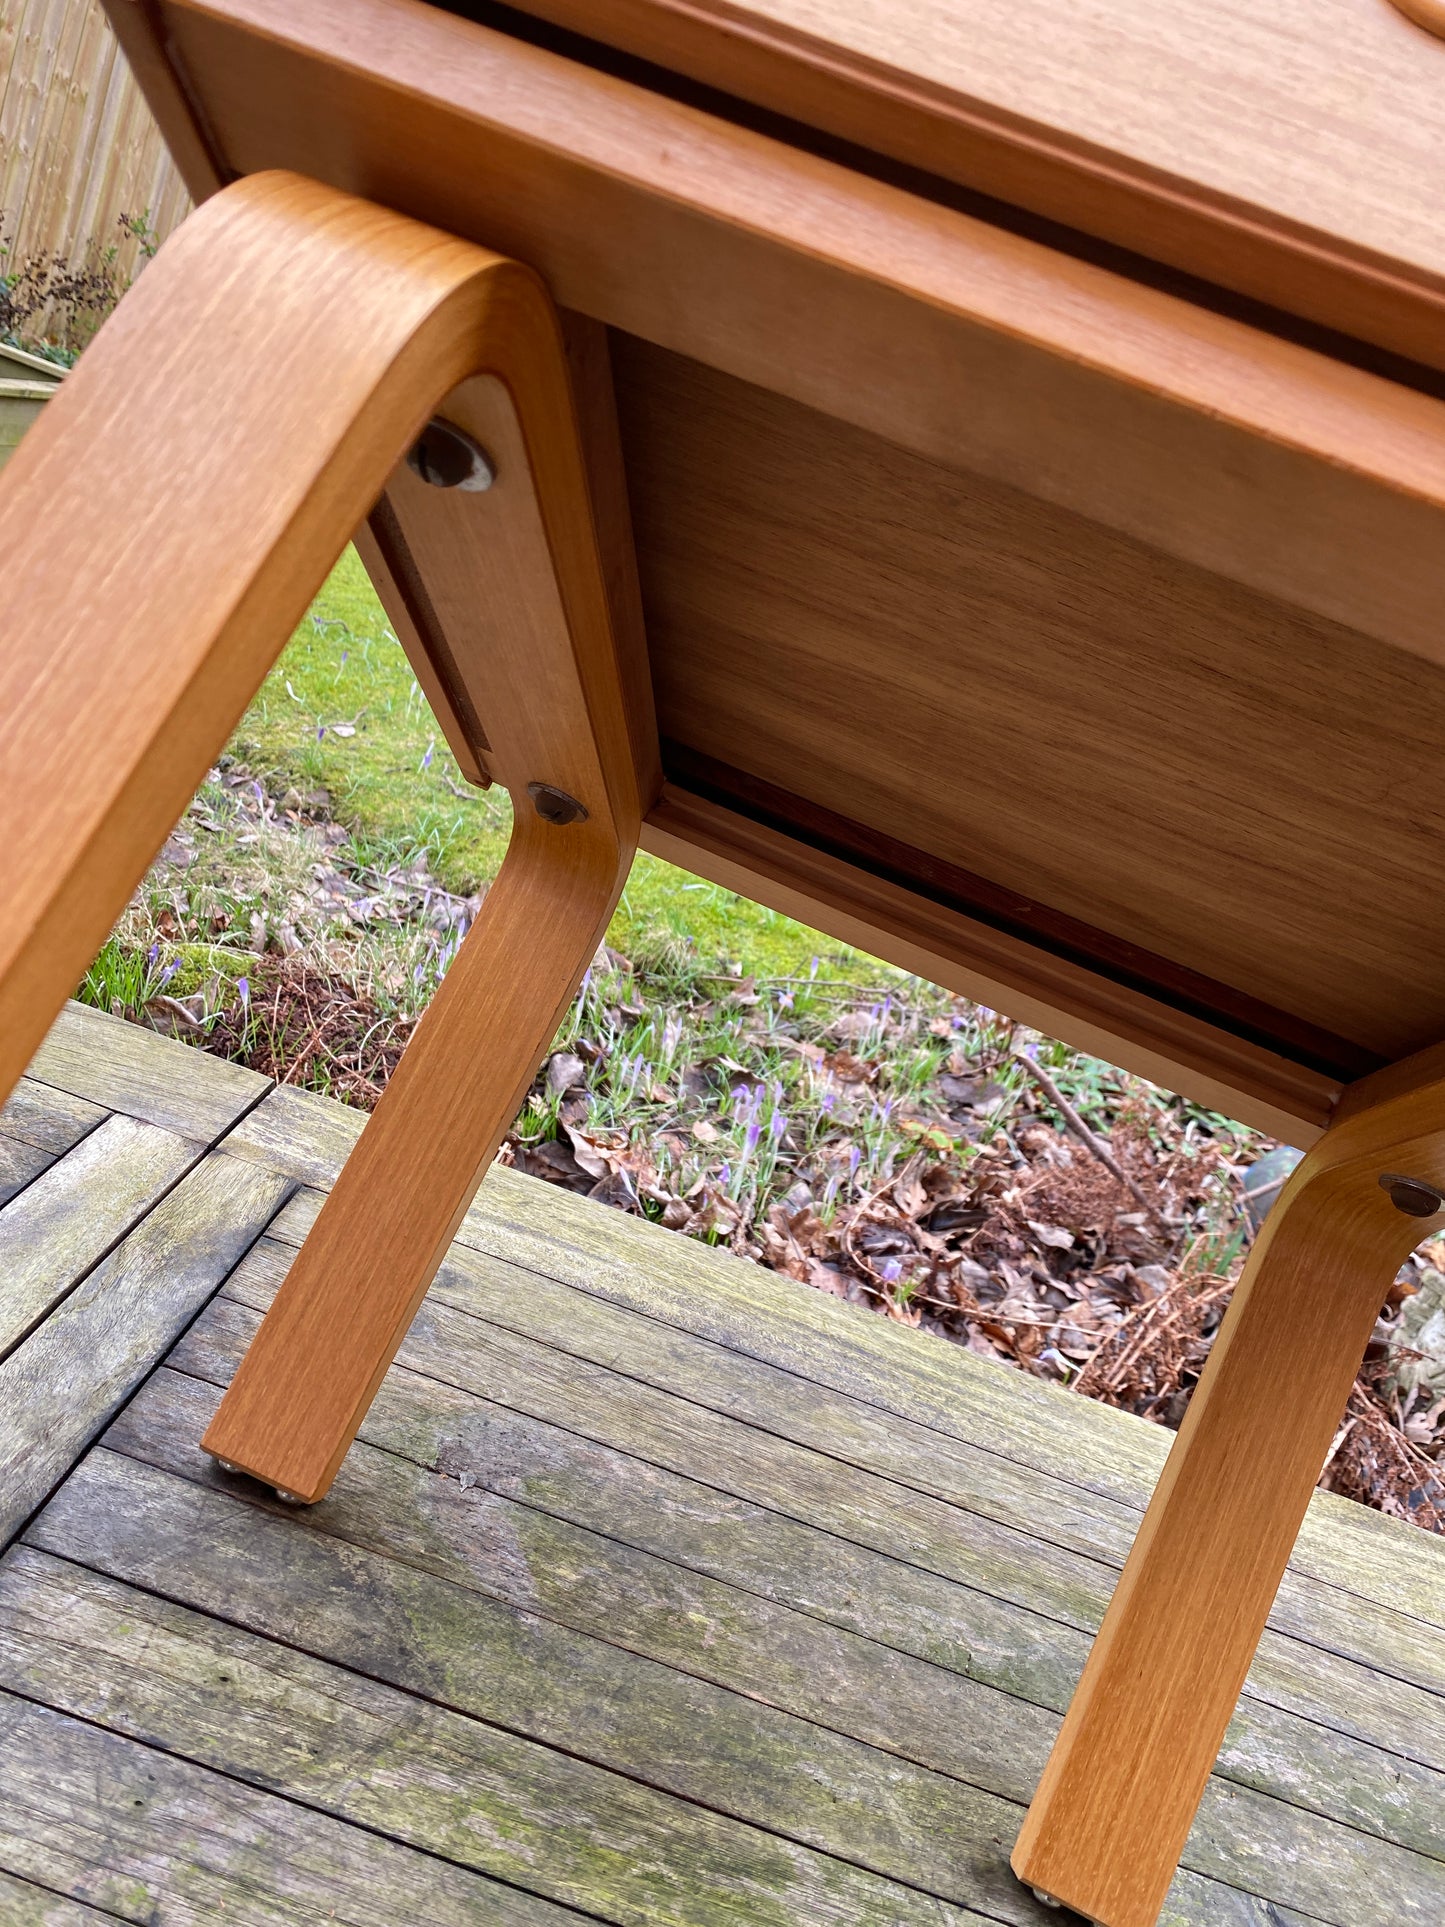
<point>1065,1000</point>
<point>1249,455</point>
<point>979,146</point>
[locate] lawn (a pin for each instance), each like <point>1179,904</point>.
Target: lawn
<point>342,711</point>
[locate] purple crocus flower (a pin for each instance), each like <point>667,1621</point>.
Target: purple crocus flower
<point>426,760</point>
<point>779,1124</point>
<point>892,1270</point>
<point>243,991</point>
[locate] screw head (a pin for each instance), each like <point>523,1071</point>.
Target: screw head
<point>447,457</point>
<point>1412,1195</point>
<point>554,805</point>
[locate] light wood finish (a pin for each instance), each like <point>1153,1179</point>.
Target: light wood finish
<point>185,524</point>
<point>1429,14</point>
<point>1120,1791</point>
<point>1152,751</point>
<point>516,585</point>
<point>1063,999</point>
<point>1232,448</point>
<point>1291,152</point>
<point>988,373</point>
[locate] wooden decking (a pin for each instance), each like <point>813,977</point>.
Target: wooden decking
<point>657,1589</point>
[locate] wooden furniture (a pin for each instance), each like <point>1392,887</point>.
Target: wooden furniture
<point>1036,458</point>
<point>618,1489</point>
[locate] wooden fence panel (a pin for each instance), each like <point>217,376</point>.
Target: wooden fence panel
<point>78,146</point>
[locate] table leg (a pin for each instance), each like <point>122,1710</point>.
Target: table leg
<point>314,1367</point>
<point>1117,1798</point>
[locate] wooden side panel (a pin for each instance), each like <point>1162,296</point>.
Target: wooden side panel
<point>1152,750</point>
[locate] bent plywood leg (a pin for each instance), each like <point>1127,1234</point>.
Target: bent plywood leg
<point>166,521</point>
<point>1114,1807</point>
<point>314,1367</point>
<point>512,576</point>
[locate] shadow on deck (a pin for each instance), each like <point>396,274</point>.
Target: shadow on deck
<point>656,1590</point>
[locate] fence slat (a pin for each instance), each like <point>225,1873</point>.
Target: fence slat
<point>78,146</point>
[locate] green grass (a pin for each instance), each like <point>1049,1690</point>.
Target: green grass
<point>397,789</point>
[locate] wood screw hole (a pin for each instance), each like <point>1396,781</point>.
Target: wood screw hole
<point>554,805</point>
<point>447,457</point>
<point>1412,1195</point>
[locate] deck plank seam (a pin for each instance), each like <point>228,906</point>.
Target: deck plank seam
<point>69,1900</point>
<point>499,1726</point>
<point>86,1444</point>
<point>22,1188</point>
<point>1103,1560</point>
<point>203,1150</point>
<point>264,1502</point>
<point>100,1725</point>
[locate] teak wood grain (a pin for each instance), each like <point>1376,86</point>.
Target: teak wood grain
<point>515,582</point>
<point>1201,773</point>
<point>1122,1024</point>
<point>1230,447</point>
<point>161,531</point>
<point>1119,1794</point>
<point>1291,153</point>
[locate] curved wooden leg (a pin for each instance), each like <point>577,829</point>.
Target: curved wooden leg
<point>1117,1798</point>
<point>512,578</point>
<point>166,521</point>
<point>161,531</point>
<point>313,1369</point>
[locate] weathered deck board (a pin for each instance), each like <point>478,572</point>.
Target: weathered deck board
<point>142,1075</point>
<point>656,1590</point>
<point>983,1643</point>
<point>23,1904</point>
<point>850,1821</point>
<point>1022,1422</point>
<point>455,1784</point>
<point>942,1704</point>
<point>148,1838</point>
<point>60,1386</point>
<point>20,1163</point>
<point>1031,1538</point>
<point>48,1118</point>
<point>70,1217</point>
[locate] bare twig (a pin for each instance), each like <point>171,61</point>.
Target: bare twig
<point>1088,1138</point>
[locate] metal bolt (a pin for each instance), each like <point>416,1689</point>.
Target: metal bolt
<point>289,1498</point>
<point>447,457</point>
<point>1047,1899</point>
<point>554,805</point>
<point>1412,1195</point>
<point>226,1466</point>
